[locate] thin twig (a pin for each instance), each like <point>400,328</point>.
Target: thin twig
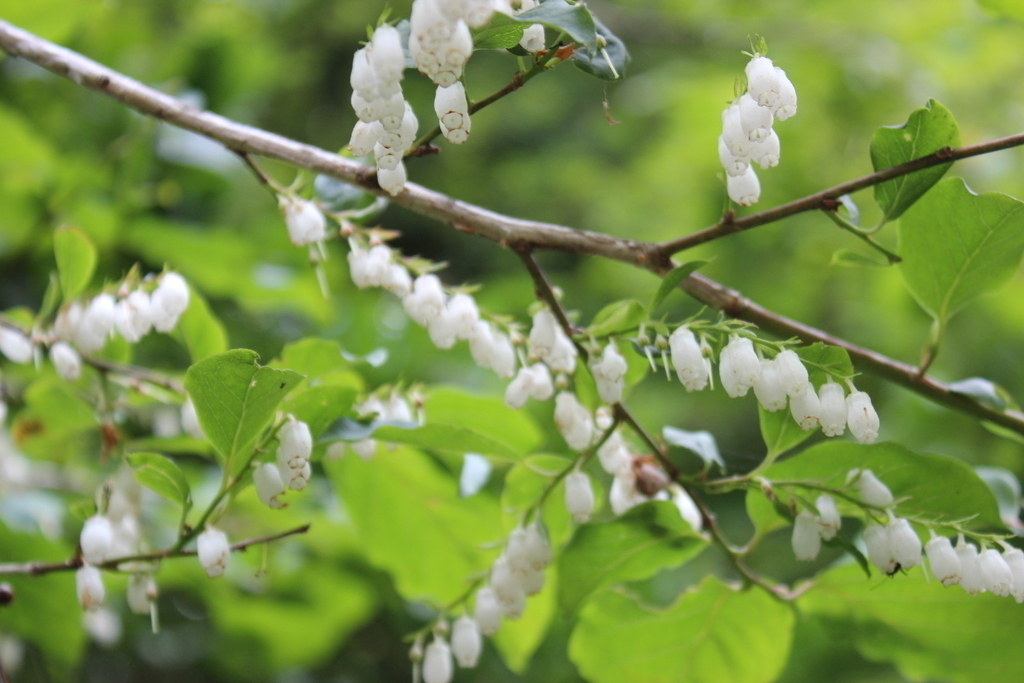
<point>40,568</point>
<point>514,232</point>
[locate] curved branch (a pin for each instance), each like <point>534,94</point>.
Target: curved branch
<point>825,199</point>
<point>519,234</point>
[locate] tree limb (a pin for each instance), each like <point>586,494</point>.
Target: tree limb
<point>517,233</point>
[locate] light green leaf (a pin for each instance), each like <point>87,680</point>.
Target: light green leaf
<point>617,317</point>
<point>608,64</point>
<point>76,260</point>
<point>712,634</point>
<point>572,19</point>
<point>484,414</point>
<point>414,523</point>
<point>634,546</point>
<point>851,259</point>
<point>518,640</point>
<point>672,280</point>
<point>936,487</point>
<point>927,631</point>
<point>957,245</point>
<point>1010,9</point>
<point>448,438</point>
<point>779,431</point>
<point>321,405</point>
<point>525,483</point>
<point>928,130</point>
<point>162,475</point>
<point>502,33</point>
<point>200,330</point>
<point>235,400</point>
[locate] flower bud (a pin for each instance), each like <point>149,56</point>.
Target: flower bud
<point>269,485</point>
<point>385,55</point>
<point>363,78</point>
<point>466,642</point>
<point>1015,561</point>
<point>943,560</point>
<point>363,139</point>
<point>609,374</point>
<point>995,572</point>
<point>437,662</point>
<point>805,407</point>
<point>806,539</point>
<point>306,224</point>
<point>296,444</point>
<point>833,409</point>
<point>872,491</point>
<point>971,579</point>
<point>573,421</point>
<point>828,517</point>
<point>142,592</point>
<point>96,323</point>
<point>96,538</point>
<point>763,81</point>
<point>688,359</point>
<point>214,551</point>
<point>89,584</point>
<point>768,388</point>
<point>579,496</point>
<point>766,152</point>
<point>744,189</point>
<point>879,546</point>
<point>15,345</point>
<point>614,455</point>
<point>487,611</point>
<point>739,366</point>
<point>168,302</point>
<point>785,105</point>
<point>66,360</point>
<point>756,120</point>
<point>132,317</point>
<point>426,300</point>
<point>861,417</point>
<point>905,543</point>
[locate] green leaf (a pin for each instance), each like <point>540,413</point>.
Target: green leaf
<point>83,510</point>
<point>619,316</point>
<point>608,64</point>
<point>200,330</point>
<point>985,392</point>
<point>162,475</point>
<point>851,259</point>
<point>449,438</point>
<point>672,280</point>
<point>634,546</point>
<point>320,406</point>
<point>936,487</point>
<point>928,130</point>
<point>502,33</point>
<point>235,400</point>
<point>1010,9</point>
<point>525,483</point>
<point>1006,488</point>
<point>957,245</point>
<point>415,525</point>
<point>76,260</point>
<point>487,415</point>
<point>779,430</point>
<point>712,634</point>
<point>925,630</point>
<point>572,19</point>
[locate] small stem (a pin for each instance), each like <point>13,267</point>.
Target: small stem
<point>860,234</point>
<point>265,180</point>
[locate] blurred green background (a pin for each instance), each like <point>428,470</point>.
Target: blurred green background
<point>635,159</point>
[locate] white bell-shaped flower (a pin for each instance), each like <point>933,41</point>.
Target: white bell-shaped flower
<point>168,302</point>
<point>466,642</point>
<point>362,140</point>
<point>756,120</point>
<point>270,486</point>
<point>574,421</point>
<point>785,105</point>
<point>507,588</point>
<point>96,539</point>
<point>879,546</point>
<point>363,77</point>
<point>792,373</point>
<point>132,317</point>
<point>614,455</point>
<point>538,548</point>
<point>828,519</point>
<point>906,545</point>
<point>214,551</point>
<point>296,478</point>
<point>437,662</point>
<point>66,360</point>
<point>970,571</point>
<point>295,444</point>
<point>579,496</point>
<point>386,55</point>
<point>397,280</point>
<point>444,329</point>
<point>768,388</point>
<point>833,409</point>
<point>943,560</point>
<point>15,345</point>
<point>733,165</point>
<point>767,152</point>
<point>861,417</point>
<point>763,81</point>
<point>487,611</point>
<point>1014,558</point>
<point>543,333</point>
<point>386,158</point>
<point>609,374</point>
<point>367,111</point>
<point>624,494</point>
<point>733,135</point>
<point>995,572</point>
<point>744,189</point>
<point>563,354</point>
<point>457,51</point>
<point>688,359</point>
<point>872,491</point>
<point>533,38</point>
<point>426,301</point>
<point>688,509</point>
<point>806,539</point>
<point>96,324</point>
<point>306,223</point>
<point>504,359</point>
<point>738,366</point>
<point>89,585</point>
<point>805,407</point>
<point>392,180</point>
<point>142,592</point>
<point>463,309</point>
<point>65,326</point>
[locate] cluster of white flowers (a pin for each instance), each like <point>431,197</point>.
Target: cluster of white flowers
<point>465,649</point>
<point>393,409</point>
<point>387,125</point>
<point>291,469</point>
<point>810,529</point>
<point>107,536</point>
<point>775,382</point>
<point>305,222</point>
<point>747,133</point>
<point>517,574</point>
<point>15,345</point>
<point>533,35</point>
<point>999,573</point>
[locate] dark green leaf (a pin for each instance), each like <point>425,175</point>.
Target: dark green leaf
<point>712,634</point>
<point>235,400</point>
<point>957,245</point>
<point>574,20</point>
<point>76,260</point>
<point>617,317</point>
<point>608,64</point>
<point>634,546</point>
<point>162,475</point>
<point>928,130</point>
<point>672,280</point>
<point>936,487</point>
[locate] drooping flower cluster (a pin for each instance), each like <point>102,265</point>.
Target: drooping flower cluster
<point>291,468</point>
<point>517,574</point>
<point>394,408</point>
<point>810,529</point>
<point>976,572</point>
<point>387,125</point>
<point>747,133</point>
<point>776,382</point>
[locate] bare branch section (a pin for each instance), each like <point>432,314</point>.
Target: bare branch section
<point>514,233</point>
<point>40,568</point>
